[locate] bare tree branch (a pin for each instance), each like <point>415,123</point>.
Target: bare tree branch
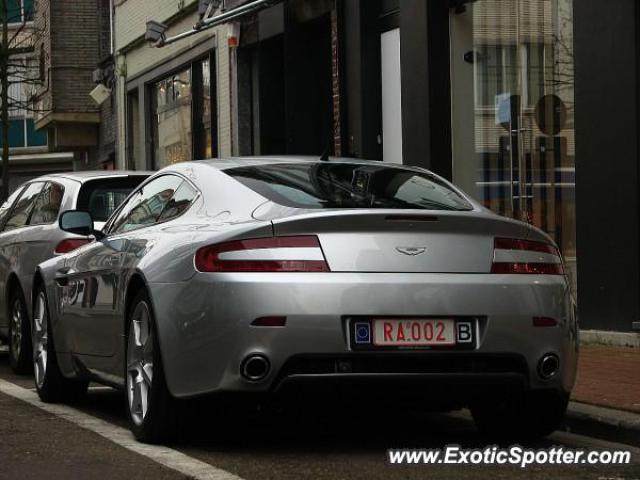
<point>18,67</point>
<point>18,31</point>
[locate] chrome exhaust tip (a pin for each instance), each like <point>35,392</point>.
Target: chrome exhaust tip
<point>548,366</point>
<point>255,367</point>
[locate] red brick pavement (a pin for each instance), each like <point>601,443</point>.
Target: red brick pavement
<point>609,377</point>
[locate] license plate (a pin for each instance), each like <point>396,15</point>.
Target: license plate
<point>414,333</point>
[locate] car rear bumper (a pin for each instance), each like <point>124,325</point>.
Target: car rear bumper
<point>205,330</point>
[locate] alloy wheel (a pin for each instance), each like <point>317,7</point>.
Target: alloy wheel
<point>140,363</point>
<point>40,339</point>
<point>16,329</point>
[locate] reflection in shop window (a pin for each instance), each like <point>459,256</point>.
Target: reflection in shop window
<point>496,72</point>
<point>183,119</point>
<point>173,112</point>
<point>207,125</point>
<point>513,112</point>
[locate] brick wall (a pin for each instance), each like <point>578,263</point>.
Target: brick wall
<point>75,52</point>
<point>42,28</point>
<point>73,38</point>
<point>107,130</point>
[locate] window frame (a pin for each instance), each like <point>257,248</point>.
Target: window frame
<point>108,228</point>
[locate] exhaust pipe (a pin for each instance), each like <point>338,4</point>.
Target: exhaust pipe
<point>548,366</point>
<point>255,367</point>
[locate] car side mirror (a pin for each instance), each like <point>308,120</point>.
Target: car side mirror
<point>77,222</point>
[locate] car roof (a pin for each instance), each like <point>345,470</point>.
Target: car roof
<point>85,176</point>
<point>234,162</point>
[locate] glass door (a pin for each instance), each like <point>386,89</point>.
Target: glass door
<point>512,111</point>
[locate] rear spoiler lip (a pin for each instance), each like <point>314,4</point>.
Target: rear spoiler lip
<point>272,212</point>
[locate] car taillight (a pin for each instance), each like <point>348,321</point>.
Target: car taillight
<point>515,256</point>
<point>276,254</point>
<point>71,244</point>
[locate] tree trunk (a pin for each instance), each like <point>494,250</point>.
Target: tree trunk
<point>4,98</point>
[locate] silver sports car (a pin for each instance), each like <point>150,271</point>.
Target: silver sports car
<point>29,234</point>
<point>284,277</point>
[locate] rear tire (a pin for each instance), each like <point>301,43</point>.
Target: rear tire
<point>531,416</point>
<point>20,349</point>
<point>51,385</point>
<point>152,411</point>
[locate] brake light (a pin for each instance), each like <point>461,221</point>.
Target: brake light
<point>276,254</point>
<point>515,256</point>
<point>71,244</point>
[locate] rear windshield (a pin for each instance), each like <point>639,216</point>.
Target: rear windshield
<point>101,197</point>
<point>347,185</point>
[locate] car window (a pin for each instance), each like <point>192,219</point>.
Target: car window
<point>5,210</point>
<point>20,214</point>
<point>349,185</point>
<point>101,197</point>
<point>47,206</point>
<point>145,207</point>
<point>179,203</point>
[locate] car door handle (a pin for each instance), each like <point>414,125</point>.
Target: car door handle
<point>62,276</point>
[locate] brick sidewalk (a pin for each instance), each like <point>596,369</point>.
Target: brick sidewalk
<point>609,377</point>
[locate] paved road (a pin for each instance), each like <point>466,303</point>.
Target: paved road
<point>36,443</point>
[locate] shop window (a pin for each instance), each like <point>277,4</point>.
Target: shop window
<point>496,72</point>
<point>206,113</point>
<point>173,120</point>
<point>183,126</point>
<point>512,83</point>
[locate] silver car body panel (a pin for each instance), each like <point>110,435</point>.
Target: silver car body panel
<point>203,352</point>
<point>204,319</point>
<point>22,249</point>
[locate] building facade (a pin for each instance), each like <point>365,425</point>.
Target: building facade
<point>29,154</point>
<point>174,103</point>
<point>519,102</point>
<point>73,45</point>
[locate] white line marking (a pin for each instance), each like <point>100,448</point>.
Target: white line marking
<point>168,457</point>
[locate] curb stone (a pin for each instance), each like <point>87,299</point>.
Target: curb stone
<point>613,339</point>
<point>620,425</point>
